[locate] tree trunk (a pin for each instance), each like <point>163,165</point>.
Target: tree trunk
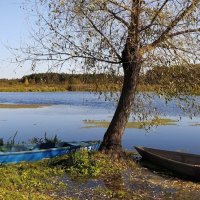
<point>112,138</point>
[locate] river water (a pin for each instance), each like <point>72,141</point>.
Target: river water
<point>68,111</point>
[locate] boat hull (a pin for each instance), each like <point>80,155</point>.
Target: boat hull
<point>36,155</point>
<point>174,161</point>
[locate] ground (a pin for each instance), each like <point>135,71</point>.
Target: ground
<point>92,176</point>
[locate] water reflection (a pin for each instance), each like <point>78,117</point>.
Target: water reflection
<point>63,120</point>
<point>66,120</point>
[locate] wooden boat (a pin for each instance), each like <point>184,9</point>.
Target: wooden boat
<point>30,153</point>
<point>184,164</point>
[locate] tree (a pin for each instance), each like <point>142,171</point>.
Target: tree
<point>26,81</point>
<point>125,36</point>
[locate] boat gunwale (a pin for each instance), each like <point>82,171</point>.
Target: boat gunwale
<point>174,161</point>
<point>46,150</point>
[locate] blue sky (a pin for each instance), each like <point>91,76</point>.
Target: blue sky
<point>14,29</point>
<point>14,32</point>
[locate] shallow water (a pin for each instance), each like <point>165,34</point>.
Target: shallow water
<point>65,118</point>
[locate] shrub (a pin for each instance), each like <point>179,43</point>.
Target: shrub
<point>80,163</point>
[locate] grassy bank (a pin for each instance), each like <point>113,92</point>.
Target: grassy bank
<point>31,88</point>
<point>91,176</point>
<point>17,86</point>
<point>56,87</point>
<point>21,87</point>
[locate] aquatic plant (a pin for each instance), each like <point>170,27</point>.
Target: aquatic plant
<point>48,140</point>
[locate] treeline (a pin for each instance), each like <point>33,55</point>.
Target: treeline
<point>179,78</point>
<point>63,78</point>
<point>161,75</point>
<point>172,81</point>
<point>157,75</point>
<point>5,81</point>
<point>63,82</point>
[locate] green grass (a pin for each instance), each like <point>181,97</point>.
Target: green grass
<point>60,87</point>
<point>84,175</point>
<point>30,181</point>
<point>123,179</point>
<point>32,88</point>
<point>138,125</point>
<point>19,87</point>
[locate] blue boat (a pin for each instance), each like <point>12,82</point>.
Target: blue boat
<point>31,153</point>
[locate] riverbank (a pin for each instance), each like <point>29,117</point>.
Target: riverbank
<point>32,88</point>
<point>91,176</point>
<point>19,87</point>
<point>57,87</point>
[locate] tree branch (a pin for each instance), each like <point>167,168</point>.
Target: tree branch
<point>155,16</point>
<point>170,45</point>
<point>165,33</point>
<point>44,57</point>
<point>121,5</point>
<point>106,39</point>
<point>184,32</point>
<point>117,17</point>
<point>85,51</point>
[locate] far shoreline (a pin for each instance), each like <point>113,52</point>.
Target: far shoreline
<point>48,88</point>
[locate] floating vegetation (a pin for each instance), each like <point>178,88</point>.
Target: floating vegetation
<point>138,125</point>
<point>46,139</point>
<point>43,143</point>
<point>23,105</point>
<point>195,124</point>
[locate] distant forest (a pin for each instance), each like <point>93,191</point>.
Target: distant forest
<point>60,78</point>
<point>62,82</point>
<point>158,75</point>
<point>74,82</point>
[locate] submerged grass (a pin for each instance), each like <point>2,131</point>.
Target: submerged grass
<point>138,125</point>
<point>84,175</point>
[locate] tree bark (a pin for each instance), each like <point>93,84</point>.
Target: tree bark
<point>112,138</point>
<point>131,65</point>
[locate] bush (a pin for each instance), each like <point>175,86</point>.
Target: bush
<point>81,164</point>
